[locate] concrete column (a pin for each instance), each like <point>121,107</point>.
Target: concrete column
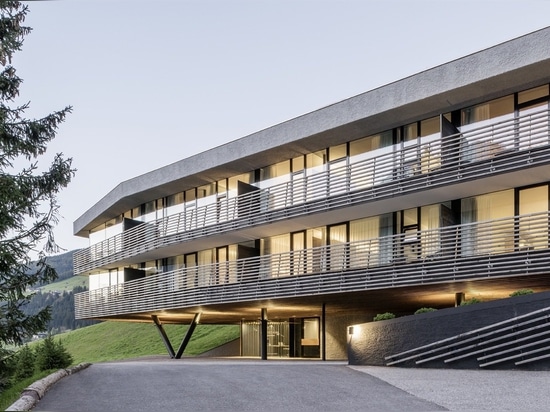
<point>263,334</point>
<point>323,334</point>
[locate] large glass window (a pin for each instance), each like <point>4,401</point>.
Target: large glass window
<point>192,271</point>
<point>493,231</point>
<point>533,117</point>
<point>274,174</point>
<point>533,94</point>
<point>368,165</point>
<point>206,274</point>
<point>430,223</point>
<point>370,241</point>
<point>533,223</point>
<point>339,250</point>
<point>430,139</point>
<point>277,265</point>
<point>316,240</point>
<point>479,145</point>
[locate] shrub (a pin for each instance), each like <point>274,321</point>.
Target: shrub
<point>383,316</point>
<point>424,310</point>
<point>24,364</point>
<point>521,292</point>
<point>52,355</point>
<point>470,301</point>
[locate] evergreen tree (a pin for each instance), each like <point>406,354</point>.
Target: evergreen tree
<point>24,364</point>
<point>28,196</point>
<point>52,355</point>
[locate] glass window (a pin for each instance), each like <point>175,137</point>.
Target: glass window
<point>533,223</point>
<point>94,282</point>
<point>493,110</point>
<point>174,199</point>
<point>315,239</point>
<point>275,244</point>
<point>150,268</point>
<point>410,132</point>
<point>430,127</point>
<point>174,263</point>
<point>190,195</point>
<point>430,222</point>
<point>370,143</point>
<point>493,233</point>
<point>276,170</point>
<point>371,242</point>
<point>480,145</point>
<point>113,227</point>
<point>206,190</point>
<point>316,160</point>
<point>298,164</point>
<point>532,94</point>
<point>206,273</point>
<point>338,152</point>
<point>245,178</point>
<point>222,186</point>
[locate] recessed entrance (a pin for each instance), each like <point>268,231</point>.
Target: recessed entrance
<point>295,338</point>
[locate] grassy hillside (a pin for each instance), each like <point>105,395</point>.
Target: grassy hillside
<point>108,341</point>
<point>66,285</point>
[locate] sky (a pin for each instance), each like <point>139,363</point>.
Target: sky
<point>154,82</point>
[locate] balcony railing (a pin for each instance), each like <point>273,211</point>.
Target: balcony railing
<point>514,246</point>
<point>501,147</point>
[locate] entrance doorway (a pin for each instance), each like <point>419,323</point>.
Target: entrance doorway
<point>295,338</point>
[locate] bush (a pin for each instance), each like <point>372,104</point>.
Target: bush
<point>383,316</point>
<point>24,364</point>
<point>52,355</point>
<point>521,292</point>
<point>424,310</point>
<point>470,301</point>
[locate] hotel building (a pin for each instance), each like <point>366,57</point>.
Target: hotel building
<point>420,193</point>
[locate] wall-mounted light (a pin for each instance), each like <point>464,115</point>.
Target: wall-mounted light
<point>350,330</point>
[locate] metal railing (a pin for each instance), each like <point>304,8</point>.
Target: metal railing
<point>519,340</point>
<point>505,247</point>
<point>504,146</point>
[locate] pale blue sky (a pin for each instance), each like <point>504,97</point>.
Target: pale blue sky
<point>152,82</point>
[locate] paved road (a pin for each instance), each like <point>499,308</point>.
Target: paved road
<point>227,385</point>
<point>250,385</point>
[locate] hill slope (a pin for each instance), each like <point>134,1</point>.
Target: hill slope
<point>109,341</point>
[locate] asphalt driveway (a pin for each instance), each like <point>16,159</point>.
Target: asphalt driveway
<point>227,385</point>
<point>207,384</point>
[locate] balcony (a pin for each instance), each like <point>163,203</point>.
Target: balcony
<point>509,247</point>
<point>499,148</point>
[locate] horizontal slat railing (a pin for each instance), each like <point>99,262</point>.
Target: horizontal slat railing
<point>494,248</point>
<point>510,341</point>
<point>501,147</point>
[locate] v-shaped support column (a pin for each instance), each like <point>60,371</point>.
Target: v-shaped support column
<point>187,336</point>
<point>164,336</point>
<point>184,342</point>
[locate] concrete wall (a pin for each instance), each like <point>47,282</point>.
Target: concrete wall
<point>371,342</point>
<point>336,334</point>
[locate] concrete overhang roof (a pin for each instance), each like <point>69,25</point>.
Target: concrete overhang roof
<point>515,65</point>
